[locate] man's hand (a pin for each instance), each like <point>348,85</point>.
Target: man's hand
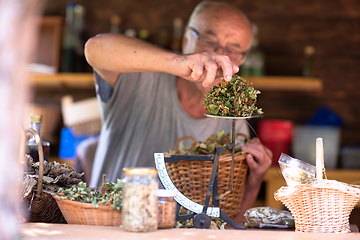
<point>259,158</point>
<point>204,67</point>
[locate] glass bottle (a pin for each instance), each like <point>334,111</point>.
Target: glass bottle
<point>68,41</point>
<point>308,70</point>
<point>140,202</point>
<point>31,147</point>
<point>144,35</point>
<point>254,61</point>
<point>176,44</point>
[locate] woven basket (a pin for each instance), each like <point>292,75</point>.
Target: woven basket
<point>89,127</point>
<point>192,178</point>
<point>85,214</point>
<point>323,206</point>
<point>39,206</point>
<point>320,207</point>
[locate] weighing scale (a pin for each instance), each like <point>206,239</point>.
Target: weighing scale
<point>202,213</point>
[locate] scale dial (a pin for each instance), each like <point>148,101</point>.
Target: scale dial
<point>180,198</point>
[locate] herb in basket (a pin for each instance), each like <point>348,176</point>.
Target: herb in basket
<point>216,223</point>
<point>109,194</point>
<point>235,98</point>
<point>203,148</point>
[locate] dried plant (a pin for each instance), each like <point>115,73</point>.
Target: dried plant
<point>235,98</point>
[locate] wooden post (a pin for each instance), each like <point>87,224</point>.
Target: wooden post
<point>17,39</point>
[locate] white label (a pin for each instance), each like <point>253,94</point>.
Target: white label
<point>180,198</point>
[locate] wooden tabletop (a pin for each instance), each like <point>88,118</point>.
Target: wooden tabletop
<point>68,231</point>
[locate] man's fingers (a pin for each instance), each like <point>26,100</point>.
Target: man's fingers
<point>226,66</point>
<point>206,67</point>
<point>211,68</point>
<point>197,70</point>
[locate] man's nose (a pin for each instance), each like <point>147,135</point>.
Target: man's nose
<point>219,49</point>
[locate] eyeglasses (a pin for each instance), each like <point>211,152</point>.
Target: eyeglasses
<point>208,44</point>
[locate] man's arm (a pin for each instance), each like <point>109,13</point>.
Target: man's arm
<point>113,54</point>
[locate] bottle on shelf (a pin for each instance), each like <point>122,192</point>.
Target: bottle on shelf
<point>308,70</point>
<point>115,22</point>
<point>176,43</point>
<point>79,15</point>
<point>31,147</point>
<point>67,49</point>
<point>163,39</point>
<point>254,64</point>
<point>144,34</point>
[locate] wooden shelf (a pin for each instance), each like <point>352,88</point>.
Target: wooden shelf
<point>63,80</point>
<point>86,81</point>
<point>286,83</point>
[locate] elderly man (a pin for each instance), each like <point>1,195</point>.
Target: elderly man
<point>150,97</point>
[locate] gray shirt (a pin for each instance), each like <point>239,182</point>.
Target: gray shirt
<point>141,116</point>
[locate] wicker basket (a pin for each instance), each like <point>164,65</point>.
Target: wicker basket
<point>89,127</point>
<point>85,214</point>
<point>192,179</point>
<point>320,207</point>
<point>39,206</point>
<point>323,206</point>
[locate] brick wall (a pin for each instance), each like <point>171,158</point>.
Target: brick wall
<point>285,28</point>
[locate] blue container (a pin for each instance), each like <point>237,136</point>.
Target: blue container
<point>69,142</point>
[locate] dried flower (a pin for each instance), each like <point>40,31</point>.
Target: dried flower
<point>235,98</point>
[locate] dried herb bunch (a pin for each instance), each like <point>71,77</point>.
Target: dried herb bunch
<point>216,223</point>
<point>109,194</point>
<point>56,175</point>
<point>235,98</point>
<point>203,148</point>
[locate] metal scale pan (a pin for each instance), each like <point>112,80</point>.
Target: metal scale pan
<point>202,213</point>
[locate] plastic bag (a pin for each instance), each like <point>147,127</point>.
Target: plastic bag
<point>267,217</point>
<point>296,171</point>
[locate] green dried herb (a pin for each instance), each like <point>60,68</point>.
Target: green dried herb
<point>203,148</point>
<point>216,223</point>
<point>235,98</point>
<point>110,194</point>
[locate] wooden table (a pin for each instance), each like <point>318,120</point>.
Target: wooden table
<point>275,180</point>
<point>32,231</point>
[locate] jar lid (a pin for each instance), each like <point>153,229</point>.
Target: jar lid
<point>140,171</point>
<point>165,193</point>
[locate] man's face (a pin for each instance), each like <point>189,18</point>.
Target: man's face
<point>221,32</point>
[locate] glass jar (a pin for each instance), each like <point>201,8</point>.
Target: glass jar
<point>167,208</point>
<point>140,202</point>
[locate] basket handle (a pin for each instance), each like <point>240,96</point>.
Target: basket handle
<point>244,135</point>
<point>319,159</point>
<point>41,157</point>
<point>180,139</point>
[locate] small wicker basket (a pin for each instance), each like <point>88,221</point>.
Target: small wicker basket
<point>85,214</point>
<point>323,206</point>
<point>192,178</point>
<point>39,206</point>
